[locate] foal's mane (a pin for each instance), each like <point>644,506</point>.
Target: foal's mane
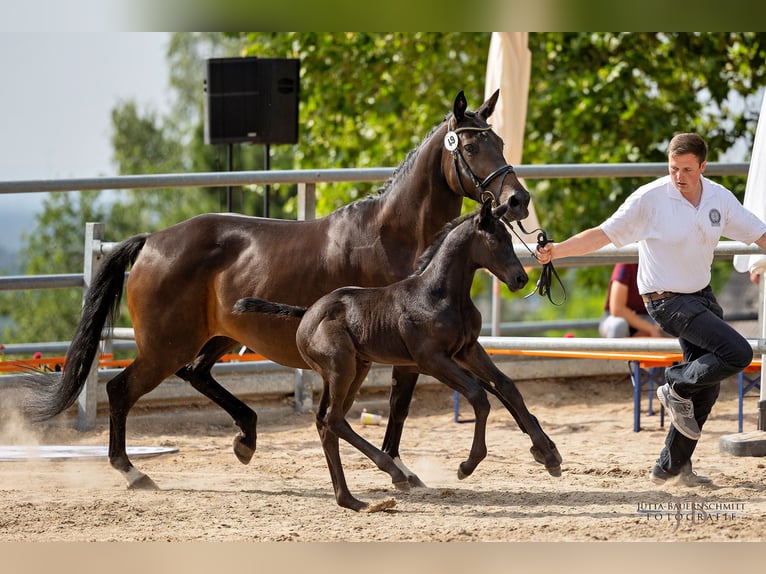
<point>433,248</point>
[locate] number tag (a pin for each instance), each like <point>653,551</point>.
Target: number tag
<point>451,141</point>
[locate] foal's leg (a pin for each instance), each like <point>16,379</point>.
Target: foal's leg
<point>197,373</point>
<point>498,383</point>
<point>343,375</point>
<point>457,378</point>
<point>402,387</point>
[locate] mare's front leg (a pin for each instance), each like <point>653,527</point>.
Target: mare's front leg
<point>544,450</point>
<point>197,373</point>
<point>403,382</point>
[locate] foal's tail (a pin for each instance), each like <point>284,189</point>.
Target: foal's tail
<point>255,305</point>
<point>48,395</point>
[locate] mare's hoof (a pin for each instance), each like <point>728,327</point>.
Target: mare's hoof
<point>243,451</point>
<point>403,485</point>
<point>465,470</point>
<point>143,483</point>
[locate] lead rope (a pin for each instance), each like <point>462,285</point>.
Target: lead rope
<point>548,272</point>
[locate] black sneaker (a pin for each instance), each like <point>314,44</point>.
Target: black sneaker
<point>680,410</point>
<point>660,475</point>
<point>690,478</point>
<point>687,476</point>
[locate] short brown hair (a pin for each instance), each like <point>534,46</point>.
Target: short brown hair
<point>682,144</point>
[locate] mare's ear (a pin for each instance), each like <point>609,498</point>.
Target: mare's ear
<point>458,110</point>
<point>488,107</point>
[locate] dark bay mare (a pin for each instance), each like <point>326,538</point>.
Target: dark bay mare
<point>426,321</point>
<point>185,280</point>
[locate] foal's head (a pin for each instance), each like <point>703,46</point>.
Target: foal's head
<point>493,247</point>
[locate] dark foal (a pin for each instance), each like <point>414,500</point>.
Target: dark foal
<point>427,321</point>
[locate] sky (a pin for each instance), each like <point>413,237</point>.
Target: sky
<point>55,106</point>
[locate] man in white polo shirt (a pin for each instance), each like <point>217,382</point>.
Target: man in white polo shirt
<point>677,221</point>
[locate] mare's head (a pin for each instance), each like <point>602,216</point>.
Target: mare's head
<point>473,161</point>
<point>493,247</point>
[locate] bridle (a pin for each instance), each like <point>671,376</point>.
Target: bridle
<point>452,144</point>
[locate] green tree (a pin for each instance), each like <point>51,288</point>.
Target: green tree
<point>366,99</point>
<point>56,246</point>
<point>620,97</point>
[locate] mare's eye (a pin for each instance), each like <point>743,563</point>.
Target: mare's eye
<point>471,148</point>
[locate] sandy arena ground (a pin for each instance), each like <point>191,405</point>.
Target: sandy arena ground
<point>285,494</point>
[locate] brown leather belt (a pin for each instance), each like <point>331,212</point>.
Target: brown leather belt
<point>648,297</point>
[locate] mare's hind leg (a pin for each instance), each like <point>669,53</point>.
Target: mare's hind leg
<point>123,392</point>
<point>197,373</point>
<point>402,387</point>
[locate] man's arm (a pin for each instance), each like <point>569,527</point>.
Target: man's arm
<point>584,242</point>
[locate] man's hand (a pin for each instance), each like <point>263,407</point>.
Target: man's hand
<point>545,253</point>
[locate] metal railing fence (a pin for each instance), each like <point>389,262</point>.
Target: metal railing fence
<point>307,181</point>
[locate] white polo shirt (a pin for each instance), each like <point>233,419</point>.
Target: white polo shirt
<point>676,241</point>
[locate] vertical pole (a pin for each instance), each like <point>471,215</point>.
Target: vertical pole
<point>230,168</point>
<point>307,201</point>
<point>762,329</point>
<point>304,390</point>
<point>267,190</point>
<point>496,306</point>
<point>87,401</point>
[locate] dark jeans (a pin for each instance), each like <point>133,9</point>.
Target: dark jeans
<point>712,351</point>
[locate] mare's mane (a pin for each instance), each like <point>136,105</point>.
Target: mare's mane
<point>403,168</point>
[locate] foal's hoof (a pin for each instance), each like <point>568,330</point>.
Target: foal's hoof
<point>553,467</point>
<point>554,470</point>
<point>403,485</point>
<point>415,482</point>
<point>243,451</point>
<point>143,483</point>
<point>537,454</point>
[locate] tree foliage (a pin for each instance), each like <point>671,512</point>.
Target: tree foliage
<point>366,99</point>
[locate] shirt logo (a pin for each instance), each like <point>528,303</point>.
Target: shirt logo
<point>715,218</point>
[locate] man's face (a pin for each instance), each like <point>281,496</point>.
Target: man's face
<point>685,171</point>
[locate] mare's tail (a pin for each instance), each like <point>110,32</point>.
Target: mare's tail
<point>47,394</point>
<point>255,305</point>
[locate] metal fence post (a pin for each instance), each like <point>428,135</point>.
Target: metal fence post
<point>304,392</point>
<point>307,201</point>
<point>87,401</point>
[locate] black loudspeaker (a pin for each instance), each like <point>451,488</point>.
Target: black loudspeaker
<point>252,100</point>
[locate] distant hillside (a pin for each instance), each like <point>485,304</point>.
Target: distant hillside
<point>9,262</point>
